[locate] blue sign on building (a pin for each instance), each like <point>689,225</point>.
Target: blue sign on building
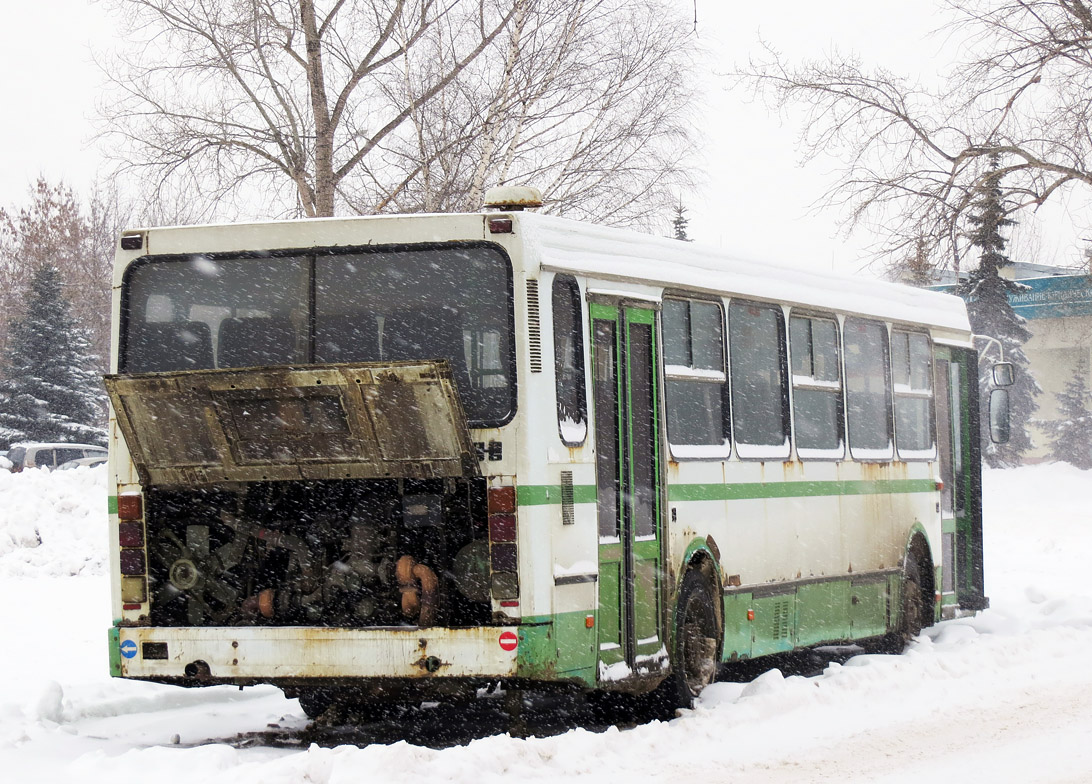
<point>1059,296</point>
<point>1055,297</point>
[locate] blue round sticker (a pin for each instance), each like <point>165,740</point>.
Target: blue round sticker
<point>128,649</point>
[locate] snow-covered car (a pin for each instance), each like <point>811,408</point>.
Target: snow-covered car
<point>44,455</point>
<point>79,462</point>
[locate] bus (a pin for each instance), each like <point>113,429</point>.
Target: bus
<point>395,458</point>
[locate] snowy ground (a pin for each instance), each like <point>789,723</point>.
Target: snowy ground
<point>1005,696</point>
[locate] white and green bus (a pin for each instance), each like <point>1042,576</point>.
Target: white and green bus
<point>398,458</point>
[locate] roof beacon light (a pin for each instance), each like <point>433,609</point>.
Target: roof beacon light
<point>513,198</point>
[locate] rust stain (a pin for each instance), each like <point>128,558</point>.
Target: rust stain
<point>792,469</point>
<point>875,471</point>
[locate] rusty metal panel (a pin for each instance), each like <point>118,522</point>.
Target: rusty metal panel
<point>348,421</point>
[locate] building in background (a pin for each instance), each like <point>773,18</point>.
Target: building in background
<point>1058,309</point>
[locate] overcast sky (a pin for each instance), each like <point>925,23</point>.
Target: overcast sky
<point>755,198</point>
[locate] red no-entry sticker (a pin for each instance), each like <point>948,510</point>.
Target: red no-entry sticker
<point>508,641</point>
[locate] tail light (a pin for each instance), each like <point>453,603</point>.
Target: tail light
<point>503,555</point>
<point>133,562</point>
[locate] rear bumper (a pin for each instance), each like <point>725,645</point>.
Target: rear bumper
<point>295,654</point>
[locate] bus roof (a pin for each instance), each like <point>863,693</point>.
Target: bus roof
<point>597,251</point>
<point>581,248</point>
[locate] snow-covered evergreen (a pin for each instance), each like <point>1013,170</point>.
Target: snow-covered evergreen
<point>49,391</point>
<point>1071,434</point>
<point>987,297</point>
<point>679,224</point>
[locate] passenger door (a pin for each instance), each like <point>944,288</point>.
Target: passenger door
<point>956,375</point>
<point>628,468</point>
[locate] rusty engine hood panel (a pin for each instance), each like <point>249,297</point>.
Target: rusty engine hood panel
<point>352,421</point>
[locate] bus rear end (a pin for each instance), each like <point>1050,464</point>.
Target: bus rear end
<point>298,451</point>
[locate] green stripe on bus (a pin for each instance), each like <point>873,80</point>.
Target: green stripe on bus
<point>749,490</point>
<point>112,504</point>
<point>538,495</point>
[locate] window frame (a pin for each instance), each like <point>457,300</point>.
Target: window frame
<point>125,312</point>
<point>868,454</point>
<point>579,352</point>
<point>692,375</point>
<point>784,452</point>
<point>914,455</point>
<point>807,453</point>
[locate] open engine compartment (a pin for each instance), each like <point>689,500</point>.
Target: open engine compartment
<point>341,495</point>
<point>344,553</point>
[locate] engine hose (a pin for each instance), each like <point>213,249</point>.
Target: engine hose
<point>420,590</point>
<point>411,598</point>
<point>231,554</point>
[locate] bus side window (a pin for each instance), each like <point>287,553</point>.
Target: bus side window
<point>693,337</point>
<point>760,396</point>
<point>572,399</point>
<point>911,366</point>
<point>816,388</point>
<point>868,390</point>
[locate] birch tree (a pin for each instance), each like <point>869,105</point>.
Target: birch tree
<point>323,107</point>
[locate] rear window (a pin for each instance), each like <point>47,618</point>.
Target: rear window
<point>421,302</point>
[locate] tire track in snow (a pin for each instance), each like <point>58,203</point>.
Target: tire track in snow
<point>1031,735</point>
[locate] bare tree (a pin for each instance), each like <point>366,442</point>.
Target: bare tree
<point>914,155</point>
<point>587,99</point>
<point>315,107</point>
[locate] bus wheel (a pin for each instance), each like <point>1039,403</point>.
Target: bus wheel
<point>913,602</point>
<point>315,702</point>
<point>696,635</point>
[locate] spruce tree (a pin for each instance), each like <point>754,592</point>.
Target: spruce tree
<point>680,222</point>
<point>49,391</point>
<point>987,296</point>
<point>1071,434</point>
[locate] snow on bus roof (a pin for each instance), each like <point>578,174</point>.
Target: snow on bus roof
<point>620,254</point>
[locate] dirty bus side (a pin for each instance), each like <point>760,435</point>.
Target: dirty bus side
<point>305,504</point>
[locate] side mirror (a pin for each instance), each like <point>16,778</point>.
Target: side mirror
<point>999,416</point>
<point>1003,374</point>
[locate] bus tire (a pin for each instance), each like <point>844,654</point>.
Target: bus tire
<point>315,702</point>
<point>913,602</point>
<point>697,636</point>
<point>328,707</point>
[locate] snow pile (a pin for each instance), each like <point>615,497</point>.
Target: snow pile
<point>53,524</point>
